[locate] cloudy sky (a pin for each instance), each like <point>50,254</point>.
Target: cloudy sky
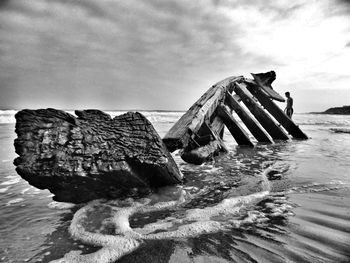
<point>163,54</point>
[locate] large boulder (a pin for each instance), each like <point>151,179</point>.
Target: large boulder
<point>91,156</point>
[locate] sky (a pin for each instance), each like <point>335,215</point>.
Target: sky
<point>157,54</point>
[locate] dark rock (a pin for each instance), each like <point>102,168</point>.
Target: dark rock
<point>92,156</point>
<point>345,110</point>
<point>340,130</point>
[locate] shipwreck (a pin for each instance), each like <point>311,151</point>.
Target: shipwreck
<point>199,132</point>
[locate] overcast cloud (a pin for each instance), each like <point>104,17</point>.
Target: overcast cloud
<point>157,54</point>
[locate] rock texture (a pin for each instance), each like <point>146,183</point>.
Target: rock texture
<point>92,156</point>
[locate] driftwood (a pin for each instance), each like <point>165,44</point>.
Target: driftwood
<point>92,156</point>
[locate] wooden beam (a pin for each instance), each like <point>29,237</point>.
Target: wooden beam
<point>277,112</point>
<point>238,133</point>
<point>252,124</point>
<point>216,136</point>
<point>264,80</point>
<point>217,126</point>
<point>203,153</point>
<point>259,113</point>
<point>179,136</point>
<point>207,133</point>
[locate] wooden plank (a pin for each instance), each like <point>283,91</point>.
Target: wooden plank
<point>277,112</point>
<point>179,136</point>
<point>236,97</point>
<point>217,125</point>
<point>209,132</point>
<point>238,133</point>
<point>216,136</point>
<point>209,107</point>
<point>264,80</point>
<point>264,119</point>
<point>252,124</point>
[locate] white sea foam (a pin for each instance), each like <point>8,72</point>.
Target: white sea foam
<point>12,181</point>
<point>25,190</point>
<point>4,190</point>
<point>227,206</point>
<point>14,201</point>
<point>11,176</point>
<point>126,239</point>
<point>7,116</point>
<point>212,170</point>
<point>318,187</point>
<point>195,222</point>
<point>60,205</point>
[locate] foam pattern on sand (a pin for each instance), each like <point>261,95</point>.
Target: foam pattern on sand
<point>60,205</point>
<point>318,187</point>
<point>92,224</point>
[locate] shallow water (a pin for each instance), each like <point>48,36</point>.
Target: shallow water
<point>287,202</point>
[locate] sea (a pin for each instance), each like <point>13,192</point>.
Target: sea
<point>283,202</point>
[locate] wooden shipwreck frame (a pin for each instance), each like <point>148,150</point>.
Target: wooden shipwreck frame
<point>199,132</point>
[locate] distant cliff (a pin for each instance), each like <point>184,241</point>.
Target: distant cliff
<point>345,110</point>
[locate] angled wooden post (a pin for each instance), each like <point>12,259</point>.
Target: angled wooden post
<point>259,113</point>
<point>218,126</point>
<point>276,111</point>
<point>211,132</point>
<point>253,125</point>
<point>238,133</point>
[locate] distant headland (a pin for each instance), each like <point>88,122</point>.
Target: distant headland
<point>345,110</point>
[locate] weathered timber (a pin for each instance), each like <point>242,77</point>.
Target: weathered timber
<point>215,135</point>
<point>209,132</point>
<point>276,112</point>
<point>237,131</point>
<point>265,120</point>
<point>211,148</point>
<point>264,80</point>
<point>217,126</point>
<point>202,154</point>
<point>179,136</point>
<point>92,156</point>
<point>253,125</point>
